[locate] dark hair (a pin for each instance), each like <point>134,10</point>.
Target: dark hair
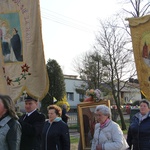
<point>29,98</point>
<point>57,109</point>
<point>9,105</point>
<point>16,30</point>
<point>146,102</point>
<point>64,106</point>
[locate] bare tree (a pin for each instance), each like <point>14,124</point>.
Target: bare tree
<point>139,8</point>
<point>112,44</point>
<point>131,8</point>
<point>90,67</point>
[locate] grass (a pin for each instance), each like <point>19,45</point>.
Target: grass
<point>74,142</point>
<point>74,139</point>
<point>127,122</point>
<point>74,126</point>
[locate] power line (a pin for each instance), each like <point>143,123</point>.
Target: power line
<point>61,19</point>
<point>67,24</point>
<point>77,21</point>
<point>79,28</point>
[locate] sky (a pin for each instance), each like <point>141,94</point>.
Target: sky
<point>69,27</point>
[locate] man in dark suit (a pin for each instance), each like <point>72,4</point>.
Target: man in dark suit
<point>32,123</point>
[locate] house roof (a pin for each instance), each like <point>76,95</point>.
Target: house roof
<point>70,76</point>
<point>128,86</point>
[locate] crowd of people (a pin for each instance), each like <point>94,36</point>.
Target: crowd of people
<point>33,131</point>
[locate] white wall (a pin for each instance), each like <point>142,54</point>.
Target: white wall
<point>131,93</point>
<point>71,85</point>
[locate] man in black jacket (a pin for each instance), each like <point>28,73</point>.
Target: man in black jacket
<point>32,123</point>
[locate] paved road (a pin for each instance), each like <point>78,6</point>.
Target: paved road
<point>126,116</point>
<point>74,133</point>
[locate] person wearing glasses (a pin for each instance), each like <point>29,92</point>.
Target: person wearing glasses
<point>107,133</point>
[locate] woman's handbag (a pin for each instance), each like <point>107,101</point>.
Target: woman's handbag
<point>125,144</point>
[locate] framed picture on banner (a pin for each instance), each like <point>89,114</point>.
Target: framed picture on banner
<point>87,121</point>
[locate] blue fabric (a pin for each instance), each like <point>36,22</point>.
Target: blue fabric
<point>55,136</point>
<point>139,133</point>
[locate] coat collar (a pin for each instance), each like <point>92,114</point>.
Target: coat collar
<point>4,121</point>
<point>137,115</point>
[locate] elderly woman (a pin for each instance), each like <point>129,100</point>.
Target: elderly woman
<point>10,129</point>
<point>55,134</point>
<point>139,129</point>
<point>107,134</point>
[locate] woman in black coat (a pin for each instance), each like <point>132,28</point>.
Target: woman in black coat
<point>139,130</point>
<point>55,134</point>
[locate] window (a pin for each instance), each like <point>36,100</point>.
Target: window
<point>126,99</point>
<point>70,96</point>
<point>81,97</point>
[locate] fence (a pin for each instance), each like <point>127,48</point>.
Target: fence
<point>73,120</point>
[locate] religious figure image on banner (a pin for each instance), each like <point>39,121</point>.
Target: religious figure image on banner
<point>146,54</point>
<point>10,36</point>
<point>140,33</point>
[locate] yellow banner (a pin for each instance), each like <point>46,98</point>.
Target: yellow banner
<point>140,32</point>
<point>22,59</point>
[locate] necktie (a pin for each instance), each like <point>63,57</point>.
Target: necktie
<point>25,117</point>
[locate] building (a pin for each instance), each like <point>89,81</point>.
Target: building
<point>73,85</point>
<point>131,92</point>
